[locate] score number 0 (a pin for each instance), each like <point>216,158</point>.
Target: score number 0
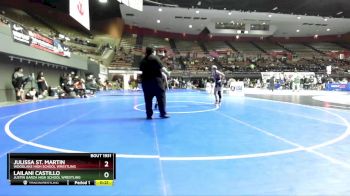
<point>106,174</point>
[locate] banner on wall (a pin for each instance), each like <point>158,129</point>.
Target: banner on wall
<point>338,87</point>
<point>236,86</point>
<point>33,39</point>
<point>286,75</point>
<point>103,69</point>
<point>80,11</point>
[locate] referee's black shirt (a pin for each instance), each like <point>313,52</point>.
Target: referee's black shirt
<point>151,68</point>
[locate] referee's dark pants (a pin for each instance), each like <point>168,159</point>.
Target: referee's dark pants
<point>153,88</point>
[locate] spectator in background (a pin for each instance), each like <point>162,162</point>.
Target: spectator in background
<point>133,84</point>
<point>107,85</point>
<point>42,84</point>
<point>296,83</point>
<point>272,83</point>
<point>343,81</point>
<point>18,82</point>
<point>91,84</point>
<point>100,84</point>
<point>117,84</point>
<point>32,94</point>
<point>57,44</point>
<point>63,79</point>
<point>72,74</point>
<point>80,89</point>
<point>68,86</point>
<point>76,78</point>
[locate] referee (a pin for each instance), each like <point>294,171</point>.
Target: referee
<point>152,83</point>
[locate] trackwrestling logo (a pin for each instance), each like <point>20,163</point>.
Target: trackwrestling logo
<point>80,7</point>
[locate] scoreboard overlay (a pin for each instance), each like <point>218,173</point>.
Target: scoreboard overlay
<point>61,168</point>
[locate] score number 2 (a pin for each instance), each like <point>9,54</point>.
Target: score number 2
<point>106,174</point>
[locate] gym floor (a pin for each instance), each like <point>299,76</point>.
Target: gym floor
<point>261,143</point>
